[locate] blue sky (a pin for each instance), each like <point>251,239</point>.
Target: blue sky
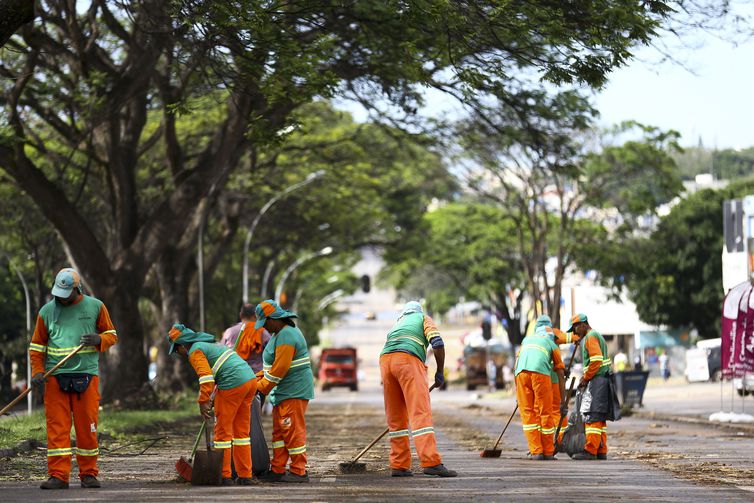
<point>715,102</point>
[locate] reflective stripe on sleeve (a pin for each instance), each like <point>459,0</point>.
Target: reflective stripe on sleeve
<point>278,444</point>
<point>109,332</point>
<point>206,379</point>
<point>37,347</point>
<point>300,362</point>
<point>272,378</point>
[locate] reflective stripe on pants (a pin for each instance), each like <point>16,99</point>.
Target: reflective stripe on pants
<point>534,393</point>
<point>289,436</point>
<point>233,410</point>
<point>596,437</point>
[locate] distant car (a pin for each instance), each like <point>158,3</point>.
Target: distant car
<point>744,386</point>
<point>370,315</point>
<point>338,367</point>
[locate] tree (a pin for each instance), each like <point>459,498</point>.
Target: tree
<point>81,88</point>
<point>13,15</point>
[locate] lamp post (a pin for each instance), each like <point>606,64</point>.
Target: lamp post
<point>28,329</point>
<point>327,250</point>
<point>250,231</point>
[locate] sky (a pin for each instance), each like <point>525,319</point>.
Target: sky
<point>713,101</point>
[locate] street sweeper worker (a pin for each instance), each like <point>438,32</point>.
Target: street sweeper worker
<point>404,379</point>
<point>219,366</point>
<point>69,320</point>
<point>595,382</point>
<point>543,327</point>
<point>538,358</point>
<point>248,342</point>
<point>288,382</point>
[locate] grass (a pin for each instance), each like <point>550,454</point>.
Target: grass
<point>116,423</point>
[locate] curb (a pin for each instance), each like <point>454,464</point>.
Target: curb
<point>693,420</point>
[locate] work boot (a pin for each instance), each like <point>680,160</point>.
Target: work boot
<point>440,471</point>
<point>227,481</point>
<point>397,472</point>
<point>601,455</point>
<point>584,456</point>
<point>53,483</point>
<point>90,482</point>
<point>294,478</point>
<point>271,476</point>
<point>537,457</point>
<point>549,457</point>
<point>247,481</point>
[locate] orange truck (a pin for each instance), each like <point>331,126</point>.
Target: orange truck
<point>338,367</point>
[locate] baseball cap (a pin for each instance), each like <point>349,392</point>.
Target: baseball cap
<point>578,318</point>
<point>65,281</point>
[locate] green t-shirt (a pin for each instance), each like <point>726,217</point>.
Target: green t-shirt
<point>65,326</point>
<point>228,369</point>
<point>299,381</point>
<point>536,355</point>
<point>407,336</point>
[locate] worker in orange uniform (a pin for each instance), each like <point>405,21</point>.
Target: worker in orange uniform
<point>559,405</point>
<point>596,382</point>
<point>288,382</point>
<point>538,358</point>
<point>69,320</point>
<point>404,379</point>
<point>218,366</point>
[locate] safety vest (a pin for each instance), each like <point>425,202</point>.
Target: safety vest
<point>407,336</point>
<point>65,326</point>
<point>299,381</point>
<point>536,355</point>
<point>228,369</point>
<point>604,359</point>
<point>542,331</point>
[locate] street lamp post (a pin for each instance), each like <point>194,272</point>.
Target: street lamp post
<point>250,231</point>
<point>327,250</point>
<point>28,329</point>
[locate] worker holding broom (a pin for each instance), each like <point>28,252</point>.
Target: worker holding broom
<point>404,379</point>
<point>288,382</point>
<point>218,366</point>
<point>543,327</point>
<point>538,358</point>
<point>69,320</point>
<point>597,383</point>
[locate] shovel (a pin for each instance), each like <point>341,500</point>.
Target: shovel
<point>354,467</point>
<point>208,465</point>
<point>47,374</point>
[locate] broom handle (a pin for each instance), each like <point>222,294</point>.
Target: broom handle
<point>196,442</point>
<point>47,374</point>
<point>380,436</point>
<point>506,427</point>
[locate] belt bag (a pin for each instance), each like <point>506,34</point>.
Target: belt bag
<point>74,383</point>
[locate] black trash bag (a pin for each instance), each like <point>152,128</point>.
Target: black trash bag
<point>574,438</point>
<point>614,409</point>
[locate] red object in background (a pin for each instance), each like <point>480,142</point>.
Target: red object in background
<point>338,367</point>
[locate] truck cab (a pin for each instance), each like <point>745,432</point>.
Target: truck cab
<point>338,367</point>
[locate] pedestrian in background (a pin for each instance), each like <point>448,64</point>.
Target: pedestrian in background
<point>288,381</point>
<point>594,382</point>
<point>406,393</point>
<point>247,340</point>
<point>69,320</point>
<point>538,358</point>
<point>218,366</point>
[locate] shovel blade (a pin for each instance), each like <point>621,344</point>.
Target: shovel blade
<point>207,469</point>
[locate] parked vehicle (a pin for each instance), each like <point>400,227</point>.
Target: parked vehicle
<point>338,367</point>
<point>475,361</point>
<point>703,362</point>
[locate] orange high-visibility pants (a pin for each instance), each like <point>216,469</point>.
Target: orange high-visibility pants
<point>404,380</point>
<point>534,393</point>
<point>59,407</point>
<point>596,437</point>
<point>289,436</point>
<point>556,411</point>
<point>233,412</point>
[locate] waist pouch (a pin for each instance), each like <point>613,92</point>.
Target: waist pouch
<point>74,383</point>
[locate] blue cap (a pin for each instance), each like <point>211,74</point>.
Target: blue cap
<point>65,281</point>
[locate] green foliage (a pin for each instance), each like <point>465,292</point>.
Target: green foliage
<point>727,164</point>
